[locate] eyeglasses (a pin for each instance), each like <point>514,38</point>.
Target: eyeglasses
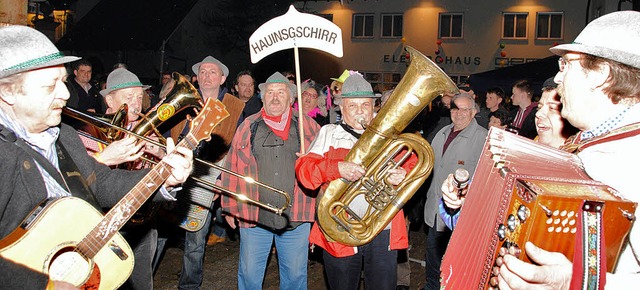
<point>291,78</point>
<point>335,89</point>
<point>563,62</point>
<point>311,95</point>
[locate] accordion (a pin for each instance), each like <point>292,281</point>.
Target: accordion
<point>527,192</point>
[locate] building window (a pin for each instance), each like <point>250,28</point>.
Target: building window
<point>391,26</point>
<point>382,81</point>
<point>514,25</point>
<point>550,25</point>
<point>362,26</point>
<point>450,25</point>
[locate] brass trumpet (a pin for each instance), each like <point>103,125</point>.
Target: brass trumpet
<point>94,121</point>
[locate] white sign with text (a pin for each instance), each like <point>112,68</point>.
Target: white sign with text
<point>295,29</point>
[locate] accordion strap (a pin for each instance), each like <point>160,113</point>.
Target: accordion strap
<point>589,256</point>
<point>575,145</point>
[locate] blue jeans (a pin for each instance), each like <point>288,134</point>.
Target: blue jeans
<point>292,248</point>
<point>143,240</point>
<point>194,248</point>
<point>219,223</point>
<point>436,245</point>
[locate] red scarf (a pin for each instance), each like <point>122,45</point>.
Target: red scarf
<point>279,125</point>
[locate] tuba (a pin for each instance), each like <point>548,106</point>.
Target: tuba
<point>380,149</point>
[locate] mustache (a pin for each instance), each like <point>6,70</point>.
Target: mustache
<point>58,105</point>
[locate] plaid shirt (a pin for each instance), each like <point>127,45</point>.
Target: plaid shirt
<point>240,160</point>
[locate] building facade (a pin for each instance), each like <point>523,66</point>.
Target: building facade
<point>462,37</point>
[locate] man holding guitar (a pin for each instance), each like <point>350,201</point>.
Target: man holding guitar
<point>41,160</point>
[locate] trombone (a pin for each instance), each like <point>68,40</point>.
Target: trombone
<point>94,121</point>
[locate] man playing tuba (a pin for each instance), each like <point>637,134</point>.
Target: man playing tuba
<point>324,163</point>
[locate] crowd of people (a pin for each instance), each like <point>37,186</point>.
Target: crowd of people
<point>589,107</point>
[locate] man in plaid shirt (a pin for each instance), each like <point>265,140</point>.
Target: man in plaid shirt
<point>266,146</point>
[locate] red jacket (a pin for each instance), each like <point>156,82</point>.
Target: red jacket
<point>320,166</point>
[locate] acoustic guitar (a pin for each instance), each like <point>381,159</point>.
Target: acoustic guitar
<point>71,241</point>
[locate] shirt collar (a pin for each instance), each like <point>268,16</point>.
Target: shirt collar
<point>614,122</point>
<point>43,141</point>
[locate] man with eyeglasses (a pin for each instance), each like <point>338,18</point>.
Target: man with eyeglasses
<point>266,147</point>
<point>599,85</point>
<point>457,145</point>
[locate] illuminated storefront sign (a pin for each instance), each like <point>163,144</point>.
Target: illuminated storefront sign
<point>443,60</point>
<point>459,60</point>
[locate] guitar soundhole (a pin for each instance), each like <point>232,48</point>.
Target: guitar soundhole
<point>70,266</point>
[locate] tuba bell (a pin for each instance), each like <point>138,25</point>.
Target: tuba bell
<point>381,148</point>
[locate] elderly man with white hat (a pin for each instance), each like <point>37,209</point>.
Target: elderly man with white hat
<point>40,159</point>
<point>266,147</point>
<point>599,85</point>
<point>211,73</point>
<point>324,163</point>
<point>123,87</point>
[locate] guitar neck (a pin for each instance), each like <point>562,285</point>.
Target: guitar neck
<point>118,216</point>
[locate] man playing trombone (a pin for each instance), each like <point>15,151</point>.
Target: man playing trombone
<point>124,88</point>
